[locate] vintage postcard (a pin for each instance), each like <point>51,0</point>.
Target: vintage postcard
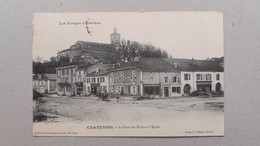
<point>133,74</point>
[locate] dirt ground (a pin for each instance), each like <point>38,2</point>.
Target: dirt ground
<point>91,109</point>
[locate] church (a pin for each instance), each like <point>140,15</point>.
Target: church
<point>83,54</point>
<point>101,52</point>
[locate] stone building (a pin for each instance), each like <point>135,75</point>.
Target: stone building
<point>93,78</point>
<point>44,83</point>
<point>200,75</point>
<point>145,77</point>
<point>101,52</point>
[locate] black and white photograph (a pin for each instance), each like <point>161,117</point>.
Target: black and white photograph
<point>131,74</point>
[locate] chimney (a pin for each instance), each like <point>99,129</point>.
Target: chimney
<point>97,70</point>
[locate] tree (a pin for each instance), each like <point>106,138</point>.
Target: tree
<point>38,59</point>
<point>128,50</point>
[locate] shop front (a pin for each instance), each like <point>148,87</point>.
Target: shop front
<point>151,89</point>
<point>204,86</point>
<point>95,88</point>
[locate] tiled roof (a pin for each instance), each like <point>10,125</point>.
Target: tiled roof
<point>99,73</point>
<point>149,64</point>
<point>196,65</point>
<point>44,77</point>
<point>102,69</point>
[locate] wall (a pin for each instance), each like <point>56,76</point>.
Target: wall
<point>128,88</point>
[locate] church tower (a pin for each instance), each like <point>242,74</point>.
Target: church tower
<point>115,37</point>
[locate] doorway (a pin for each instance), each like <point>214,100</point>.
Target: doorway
<point>166,91</point>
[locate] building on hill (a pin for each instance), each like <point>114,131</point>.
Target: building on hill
<point>44,83</point>
<point>102,52</point>
<point>145,76</point>
<point>200,75</point>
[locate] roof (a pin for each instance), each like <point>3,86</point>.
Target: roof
<point>197,65</point>
<point>149,64</point>
<point>65,50</point>
<point>76,46</point>
<point>99,73</point>
<point>102,69</point>
<point>44,77</point>
<point>36,95</point>
<point>93,43</point>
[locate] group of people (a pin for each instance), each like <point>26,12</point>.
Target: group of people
<point>106,96</point>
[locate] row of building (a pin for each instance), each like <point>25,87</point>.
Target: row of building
<point>163,77</point>
<point>146,76</point>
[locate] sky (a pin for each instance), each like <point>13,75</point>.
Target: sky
<point>197,35</point>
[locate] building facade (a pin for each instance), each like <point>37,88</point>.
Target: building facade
<point>199,75</point>
<point>44,83</point>
<point>103,52</point>
<point>146,76</point>
<point>96,79</point>
<point>66,78</point>
<point>202,81</point>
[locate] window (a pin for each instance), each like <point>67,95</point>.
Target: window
<point>186,76</point>
<point>121,80</point>
<point>176,79</point>
<point>93,80</point>
<point>217,77</point>
<point>62,72</point>
<point>151,79</point>
<point>73,70</point>
<point>69,71</point>
<point>166,80</point>
<point>133,71</point>
<point>117,81</point>
<point>176,89</point>
<point>88,80</point>
<point>208,77</point>
<point>199,77</point>
<point>58,72</point>
<point>66,71</point>
<point>102,79</point>
<point>97,79</point>
<point>40,82</point>
<point>43,82</point>
<point>134,90</point>
<point>134,79</point>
